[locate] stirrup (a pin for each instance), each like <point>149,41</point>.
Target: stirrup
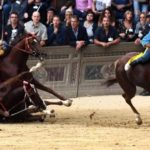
<point>127,67</point>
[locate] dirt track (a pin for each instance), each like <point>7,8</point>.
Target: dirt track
<point>112,127</point>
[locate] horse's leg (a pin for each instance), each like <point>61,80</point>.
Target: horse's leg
<point>129,92</point>
<point>137,114</point>
<point>65,103</point>
<point>34,109</point>
<point>37,117</point>
<point>38,85</point>
<point>46,89</point>
<point>53,103</point>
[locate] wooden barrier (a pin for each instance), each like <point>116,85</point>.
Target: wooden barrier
<point>74,74</point>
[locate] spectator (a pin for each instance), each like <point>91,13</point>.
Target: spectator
<point>50,14</point>
<point>36,5</point>
<point>6,10</point>
<point>20,7</point>
<point>11,31</point>
<point>83,6</point>
<point>144,19</point>
<point>140,6</point>
<point>56,32</point>
<point>107,13</point>
<point>120,7</point>
<point>147,27</point>
<point>99,6</point>
<point>148,18</point>
<point>36,27</point>
<point>90,26</point>
<point>140,27</point>
<point>50,3</point>
<point>14,29</point>
<point>67,20</point>
<point>106,35</point>
<point>76,34</point>
<point>126,27</point>
<point>70,5</point>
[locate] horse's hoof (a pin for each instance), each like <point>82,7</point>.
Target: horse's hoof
<point>138,121</point>
<point>67,102</point>
<point>49,114</point>
<point>52,113</point>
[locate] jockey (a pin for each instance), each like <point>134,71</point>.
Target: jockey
<point>142,57</point>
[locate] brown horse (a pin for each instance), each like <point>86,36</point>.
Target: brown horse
<point>15,95</point>
<point>15,63</point>
<point>15,100</point>
<point>136,76</point>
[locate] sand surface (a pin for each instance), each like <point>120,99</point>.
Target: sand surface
<point>111,127</point>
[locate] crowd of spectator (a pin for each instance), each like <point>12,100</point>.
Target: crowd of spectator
<point>78,22</point>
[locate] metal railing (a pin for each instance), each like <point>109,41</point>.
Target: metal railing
<point>75,73</point>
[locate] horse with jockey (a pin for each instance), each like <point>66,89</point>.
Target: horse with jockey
<point>143,57</point>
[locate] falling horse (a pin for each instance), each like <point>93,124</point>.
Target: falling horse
<point>15,63</point>
<point>136,76</point>
<point>15,94</point>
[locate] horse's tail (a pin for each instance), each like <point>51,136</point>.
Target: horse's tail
<point>112,79</point>
<point>110,82</point>
<point>115,64</point>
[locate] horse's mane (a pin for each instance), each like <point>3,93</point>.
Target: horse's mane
<point>20,37</point>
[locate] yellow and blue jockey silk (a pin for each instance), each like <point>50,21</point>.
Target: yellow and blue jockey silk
<point>136,56</point>
<point>144,42</point>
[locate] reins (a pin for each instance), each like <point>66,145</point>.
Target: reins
<point>26,95</point>
<point>21,49</point>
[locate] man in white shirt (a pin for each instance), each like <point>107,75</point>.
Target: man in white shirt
<point>36,27</point>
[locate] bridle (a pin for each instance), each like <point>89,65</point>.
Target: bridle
<point>30,51</point>
<point>27,45</point>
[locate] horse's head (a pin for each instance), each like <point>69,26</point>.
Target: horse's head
<point>32,46</point>
<point>29,44</point>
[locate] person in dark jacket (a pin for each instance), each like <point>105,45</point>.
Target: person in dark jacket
<point>106,35</point>
<point>36,5</point>
<point>76,34</point>
<point>56,32</point>
<point>20,7</point>
<point>11,31</point>
<point>90,26</point>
